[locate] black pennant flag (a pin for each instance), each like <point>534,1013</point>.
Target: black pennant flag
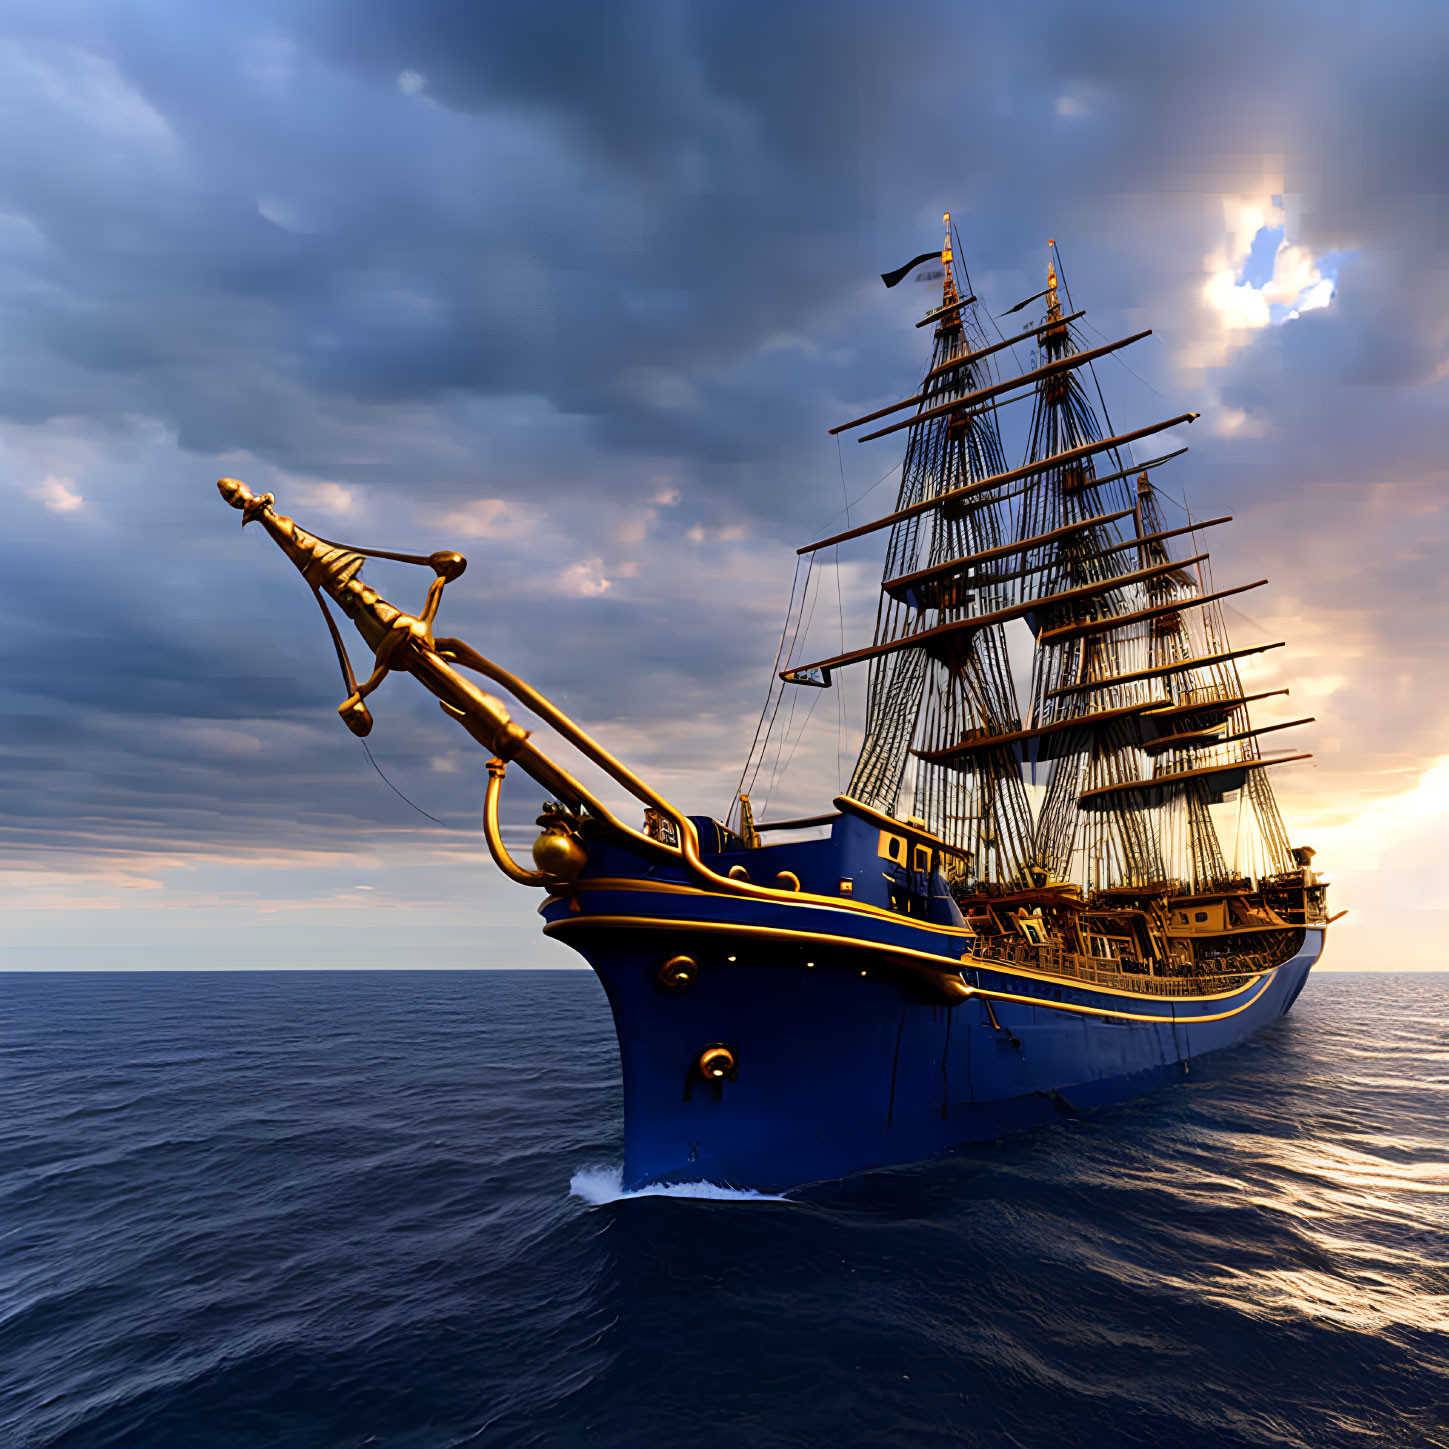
<point>891,278</point>
<point>1027,303</point>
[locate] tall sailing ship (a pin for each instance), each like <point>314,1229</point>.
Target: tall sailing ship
<point>1018,907</point>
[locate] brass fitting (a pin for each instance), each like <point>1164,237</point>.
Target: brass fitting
<point>558,852</point>
<point>716,1063</point>
<point>679,971</point>
<point>356,716</point>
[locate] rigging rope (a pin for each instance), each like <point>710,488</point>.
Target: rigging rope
<point>840,608</point>
<point>784,769</point>
<point>830,522</point>
<point>393,787</point>
<point>802,631</point>
<point>960,251</point>
<point>1117,357</point>
<point>1062,273</point>
<point>775,682</point>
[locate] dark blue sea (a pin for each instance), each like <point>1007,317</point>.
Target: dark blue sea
<point>351,1209</point>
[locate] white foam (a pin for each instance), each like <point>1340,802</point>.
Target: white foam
<point>599,1185</point>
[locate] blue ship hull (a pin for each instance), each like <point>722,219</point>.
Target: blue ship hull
<point>848,1057</point>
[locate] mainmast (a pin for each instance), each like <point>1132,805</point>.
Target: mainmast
<point>1132,668</point>
<point>1084,514</point>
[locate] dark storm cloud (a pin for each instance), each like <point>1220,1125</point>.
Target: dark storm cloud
<point>577,258</point>
<point>644,195</point>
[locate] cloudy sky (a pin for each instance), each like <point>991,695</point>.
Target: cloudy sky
<point>577,289</point>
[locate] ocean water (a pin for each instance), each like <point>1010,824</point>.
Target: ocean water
<point>337,1209</point>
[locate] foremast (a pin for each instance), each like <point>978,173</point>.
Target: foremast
<point>923,697</point>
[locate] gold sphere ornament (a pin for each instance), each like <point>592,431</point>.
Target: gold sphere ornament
<point>560,853</point>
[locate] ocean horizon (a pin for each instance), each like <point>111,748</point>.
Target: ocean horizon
<point>335,1208</point>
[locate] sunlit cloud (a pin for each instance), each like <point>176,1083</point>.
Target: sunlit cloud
<point>583,579</point>
<point>1383,863</point>
<point>697,533</point>
<point>82,89</point>
<point>636,529</point>
<point>1257,277</point>
<point>334,498</point>
<point>490,518</point>
<point>58,494</point>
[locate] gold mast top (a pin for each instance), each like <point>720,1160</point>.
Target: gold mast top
<point>949,294</point>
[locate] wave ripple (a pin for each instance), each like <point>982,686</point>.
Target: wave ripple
<point>336,1209</point>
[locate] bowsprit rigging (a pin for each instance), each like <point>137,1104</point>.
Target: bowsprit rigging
<point>1023,896</point>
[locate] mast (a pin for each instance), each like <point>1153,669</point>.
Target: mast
<point>920,698</point>
<point>1137,711</point>
<point>1137,679</point>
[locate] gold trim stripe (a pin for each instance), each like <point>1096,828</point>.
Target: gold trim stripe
<point>786,898</point>
<point>1173,1020</point>
<point>982,964</point>
<point>975,962</point>
<point>948,980</point>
